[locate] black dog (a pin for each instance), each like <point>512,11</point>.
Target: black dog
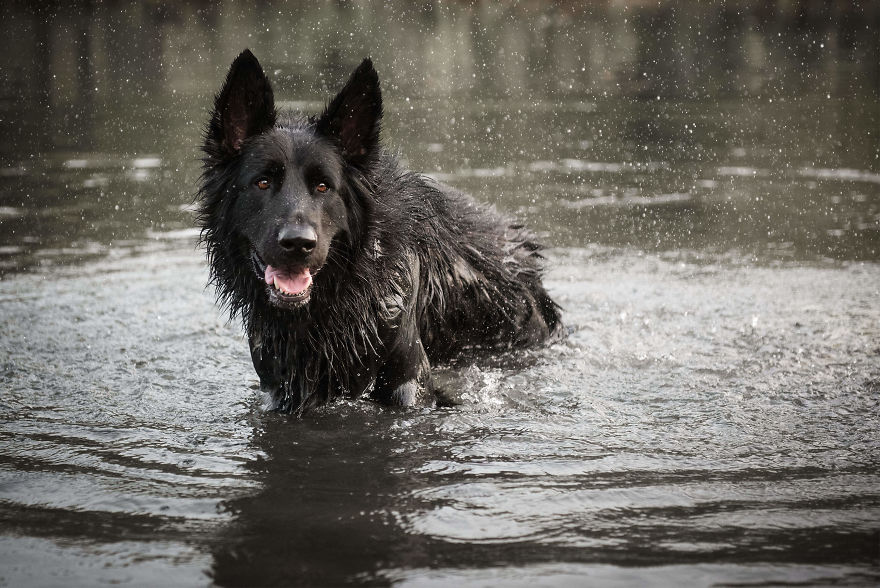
<point>351,273</point>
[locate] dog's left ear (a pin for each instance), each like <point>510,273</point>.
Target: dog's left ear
<point>244,107</point>
<point>353,117</point>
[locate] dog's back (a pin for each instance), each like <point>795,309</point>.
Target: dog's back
<point>480,275</point>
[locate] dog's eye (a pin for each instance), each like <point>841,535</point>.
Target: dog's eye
<point>262,184</point>
<point>322,187</point>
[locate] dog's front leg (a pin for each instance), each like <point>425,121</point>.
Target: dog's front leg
<point>404,375</point>
<point>268,367</point>
<point>404,378</point>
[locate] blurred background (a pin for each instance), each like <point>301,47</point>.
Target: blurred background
<point>746,125</point>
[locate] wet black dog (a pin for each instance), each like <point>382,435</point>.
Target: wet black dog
<point>351,273</point>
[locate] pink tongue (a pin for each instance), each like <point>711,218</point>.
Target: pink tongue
<point>291,283</point>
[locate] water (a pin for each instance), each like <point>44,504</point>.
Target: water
<point>711,419</point>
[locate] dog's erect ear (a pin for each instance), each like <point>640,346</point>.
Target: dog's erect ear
<point>244,107</point>
<point>353,117</point>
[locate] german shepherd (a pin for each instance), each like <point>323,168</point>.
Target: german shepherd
<point>352,274</point>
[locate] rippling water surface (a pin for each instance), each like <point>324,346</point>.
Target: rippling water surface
<point>718,417</point>
<point>711,419</point>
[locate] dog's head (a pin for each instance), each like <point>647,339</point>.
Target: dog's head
<point>288,193</point>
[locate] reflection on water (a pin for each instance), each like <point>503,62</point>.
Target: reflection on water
<point>708,176</point>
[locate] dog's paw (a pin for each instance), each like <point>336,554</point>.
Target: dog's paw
<point>407,394</point>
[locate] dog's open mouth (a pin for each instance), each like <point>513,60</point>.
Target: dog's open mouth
<point>287,287</point>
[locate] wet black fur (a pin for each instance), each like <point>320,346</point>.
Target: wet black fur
<point>415,271</point>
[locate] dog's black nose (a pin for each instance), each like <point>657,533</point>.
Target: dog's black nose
<point>297,239</point>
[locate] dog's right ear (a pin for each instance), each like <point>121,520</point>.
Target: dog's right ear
<point>244,107</point>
